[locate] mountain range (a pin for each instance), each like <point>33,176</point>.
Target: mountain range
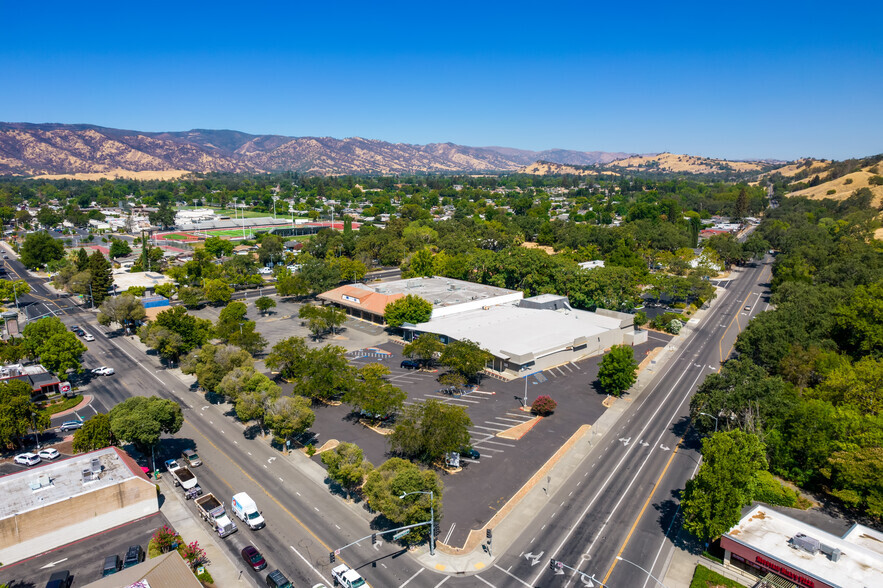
<point>45,149</point>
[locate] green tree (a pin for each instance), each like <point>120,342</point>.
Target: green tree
<point>175,332</point>
<point>82,261</point>
<point>425,347</point>
<point>164,216</point>
<point>141,421</point>
<point>288,284</point>
<point>860,321</point>
<point>858,478</point>
<point>236,329</point>
<point>94,434</point>
<point>726,481</point>
<point>218,247</point>
<point>101,277</point>
<point>859,385</point>
<point>39,249</point>
<point>287,416</point>
<point>217,291</point>
<point>17,412</point>
<point>427,430</point>
<point>373,394</point>
<point>119,248</point>
<point>61,353</point>
<point>314,318</point>
<point>287,356</point>
<point>324,373</point>
<point>618,370</point>
<point>210,363</point>
<point>265,303</point>
<point>123,310</point>
<point>409,309</point>
<point>11,290</point>
<point>190,297</point>
<point>346,466</point>
<point>318,275</point>
<point>386,484</point>
<point>270,249</point>
<point>465,358</point>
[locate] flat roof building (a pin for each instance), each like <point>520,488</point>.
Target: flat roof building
<point>768,542</point>
<point>168,570</point>
<point>51,505</point>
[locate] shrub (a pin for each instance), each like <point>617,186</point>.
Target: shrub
<point>543,406</point>
<point>311,450</point>
<point>679,305</point>
<point>640,318</point>
<point>205,577</point>
<point>703,577</point>
<point>163,538</point>
<point>875,180</point>
<point>675,326</point>
<point>847,181</point>
<point>831,191</point>
<point>771,491</point>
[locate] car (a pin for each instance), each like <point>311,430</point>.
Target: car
<point>48,453</point>
<point>410,364</point>
<point>277,579</point>
<point>74,328</point>
<point>265,270</point>
<point>88,337</point>
<point>79,332</point>
<point>70,426</point>
<point>103,371</point>
<point>60,579</point>
<point>112,565</point>
<point>5,256</point>
<point>27,459</point>
<point>748,307</point>
<point>192,458</point>
<point>293,268</point>
<point>469,452</point>
<point>134,556</point>
<point>253,557</point>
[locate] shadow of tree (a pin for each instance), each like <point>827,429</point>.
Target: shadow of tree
<point>252,431</point>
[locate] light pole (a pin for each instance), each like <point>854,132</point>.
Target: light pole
<point>642,569</point>
<point>712,416</point>
<point>431,517</point>
<point>36,437</point>
<point>15,295</point>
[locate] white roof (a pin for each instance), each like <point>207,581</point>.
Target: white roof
<point>508,330</point>
<point>768,531</point>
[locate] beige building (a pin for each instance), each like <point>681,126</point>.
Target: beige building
<point>166,571</point>
<point>59,502</point>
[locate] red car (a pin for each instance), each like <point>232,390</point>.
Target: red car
<point>253,558</point>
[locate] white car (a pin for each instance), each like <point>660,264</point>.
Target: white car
<point>265,271</point>
<point>103,371</point>
<point>88,337</point>
<point>48,453</point>
<point>27,459</point>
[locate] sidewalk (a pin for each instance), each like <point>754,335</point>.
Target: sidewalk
<point>224,571</point>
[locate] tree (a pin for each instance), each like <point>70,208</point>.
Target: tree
<point>123,310</point>
<point>211,363</point>
<point>289,415</point>
<point>425,347</point>
<point>190,297</point>
<point>373,394</point>
<point>543,406</point>
<point>465,358</point>
<point>59,350</point>
<point>427,430</point>
<point>288,284</point>
<point>270,249</point>
<point>726,481</point>
<point>237,330</point>
<point>175,332</point>
<point>101,277</point>
<point>315,319</point>
<point>39,249</point>
<point>385,486</point>
<point>218,247</point>
<point>141,421</point>
<point>618,370</point>
<point>324,373</point>
<point>251,392</point>
<point>164,216</point>
<point>318,275</point>
<point>82,261</point>
<point>287,356</point>
<point>94,434</point>
<point>265,303</point>
<point>217,291</point>
<point>728,248</point>
<point>346,466</point>
<point>37,332</point>
<point>17,412</point>
<point>858,478</point>
<point>13,289</point>
<point>119,248</point>
<point>410,309</point>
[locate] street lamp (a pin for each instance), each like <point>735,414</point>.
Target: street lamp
<point>712,416</point>
<point>36,437</point>
<point>642,569</point>
<point>431,517</point>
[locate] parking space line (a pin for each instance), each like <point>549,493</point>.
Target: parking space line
<point>519,421</point>
<point>490,428</point>
<point>452,399</point>
<point>499,443</point>
<point>522,416</point>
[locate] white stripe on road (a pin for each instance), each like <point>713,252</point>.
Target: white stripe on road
<point>308,563</point>
<point>420,571</point>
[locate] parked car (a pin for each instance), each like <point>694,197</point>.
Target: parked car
<point>60,579</point>
<point>88,337</point>
<point>112,564</point>
<point>27,459</point>
<point>74,328</point>
<point>70,426</point>
<point>134,556</point>
<point>253,558</point>
<point>410,364</point>
<point>277,579</point>
<point>191,457</point>
<point>103,371</point>
<point>48,453</point>
<point>78,331</point>
<point>469,452</point>
<point>265,271</point>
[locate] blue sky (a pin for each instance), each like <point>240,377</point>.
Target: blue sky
<point>734,80</point>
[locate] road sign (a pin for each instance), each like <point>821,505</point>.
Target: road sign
<point>401,534</point>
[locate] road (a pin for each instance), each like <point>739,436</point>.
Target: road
<point>623,504</point>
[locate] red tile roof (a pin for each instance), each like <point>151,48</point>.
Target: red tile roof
<point>355,297</point>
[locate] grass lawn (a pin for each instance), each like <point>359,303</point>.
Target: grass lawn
<point>705,578</point>
<point>178,237</point>
<point>63,405</point>
<point>229,211</point>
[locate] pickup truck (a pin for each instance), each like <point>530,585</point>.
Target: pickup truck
<point>213,511</point>
<point>182,476</point>
<point>344,576</point>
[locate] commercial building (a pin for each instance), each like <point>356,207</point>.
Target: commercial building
<point>168,570</point>
<point>42,381</point>
<point>767,542</point>
<point>63,501</point>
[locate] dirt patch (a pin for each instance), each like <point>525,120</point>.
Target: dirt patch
<point>546,248</point>
<point>327,446</point>
<point>376,428</point>
<point>519,431</point>
<point>609,401</point>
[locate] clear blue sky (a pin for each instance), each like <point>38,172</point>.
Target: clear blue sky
<point>735,80</point>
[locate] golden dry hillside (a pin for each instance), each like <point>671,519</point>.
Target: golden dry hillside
<point>674,163</point>
<point>114,174</point>
<point>545,168</point>
<point>843,187</point>
<point>792,169</point>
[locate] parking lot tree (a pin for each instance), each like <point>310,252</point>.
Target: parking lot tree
<point>373,394</point>
<point>464,357</point>
<point>190,297</point>
<point>118,248</point>
<point>318,274</point>
<point>39,249</point>
<point>94,434</point>
<point>175,332</point>
<point>141,420</point>
<point>288,284</point>
<point>217,291</point>
<point>618,370</point>
<point>12,289</point>
<point>234,328</point>
<point>424,348</point>
<point>315,319</point>
<point>286,356</point>
<point>17,412</point>
<point>265,303</point>
<point>351,270</point>
<point>218,247</point>
<point>124,310</point>
<point>425,431</point>
<point>210,363</point>
<point>385,486</point>
<point>410,309</point>
<point>543,405</point>
<point>347,466</point>
<point>287,416</point>
<point>324,373</point>
<point>726,482</point>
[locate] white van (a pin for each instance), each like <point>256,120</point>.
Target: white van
<point>247,511</point>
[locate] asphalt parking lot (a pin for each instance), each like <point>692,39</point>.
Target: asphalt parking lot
<point>83,558</point>
<point>473,495</point>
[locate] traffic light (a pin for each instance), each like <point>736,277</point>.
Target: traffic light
<point>553,565</point>
<point>373,538</point>
<point>331,556</point>
<point>489,534</point>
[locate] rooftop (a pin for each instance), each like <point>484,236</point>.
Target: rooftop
<point>440,292</point>
<point>861,550</point>
<point>125,280</point>
<point>60,480</point>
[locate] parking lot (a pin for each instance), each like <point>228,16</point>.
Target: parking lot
<point>483,486</point>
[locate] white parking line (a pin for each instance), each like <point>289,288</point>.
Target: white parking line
<point>490,428</point>
<point>499,443</point>
<point>519,421</point>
